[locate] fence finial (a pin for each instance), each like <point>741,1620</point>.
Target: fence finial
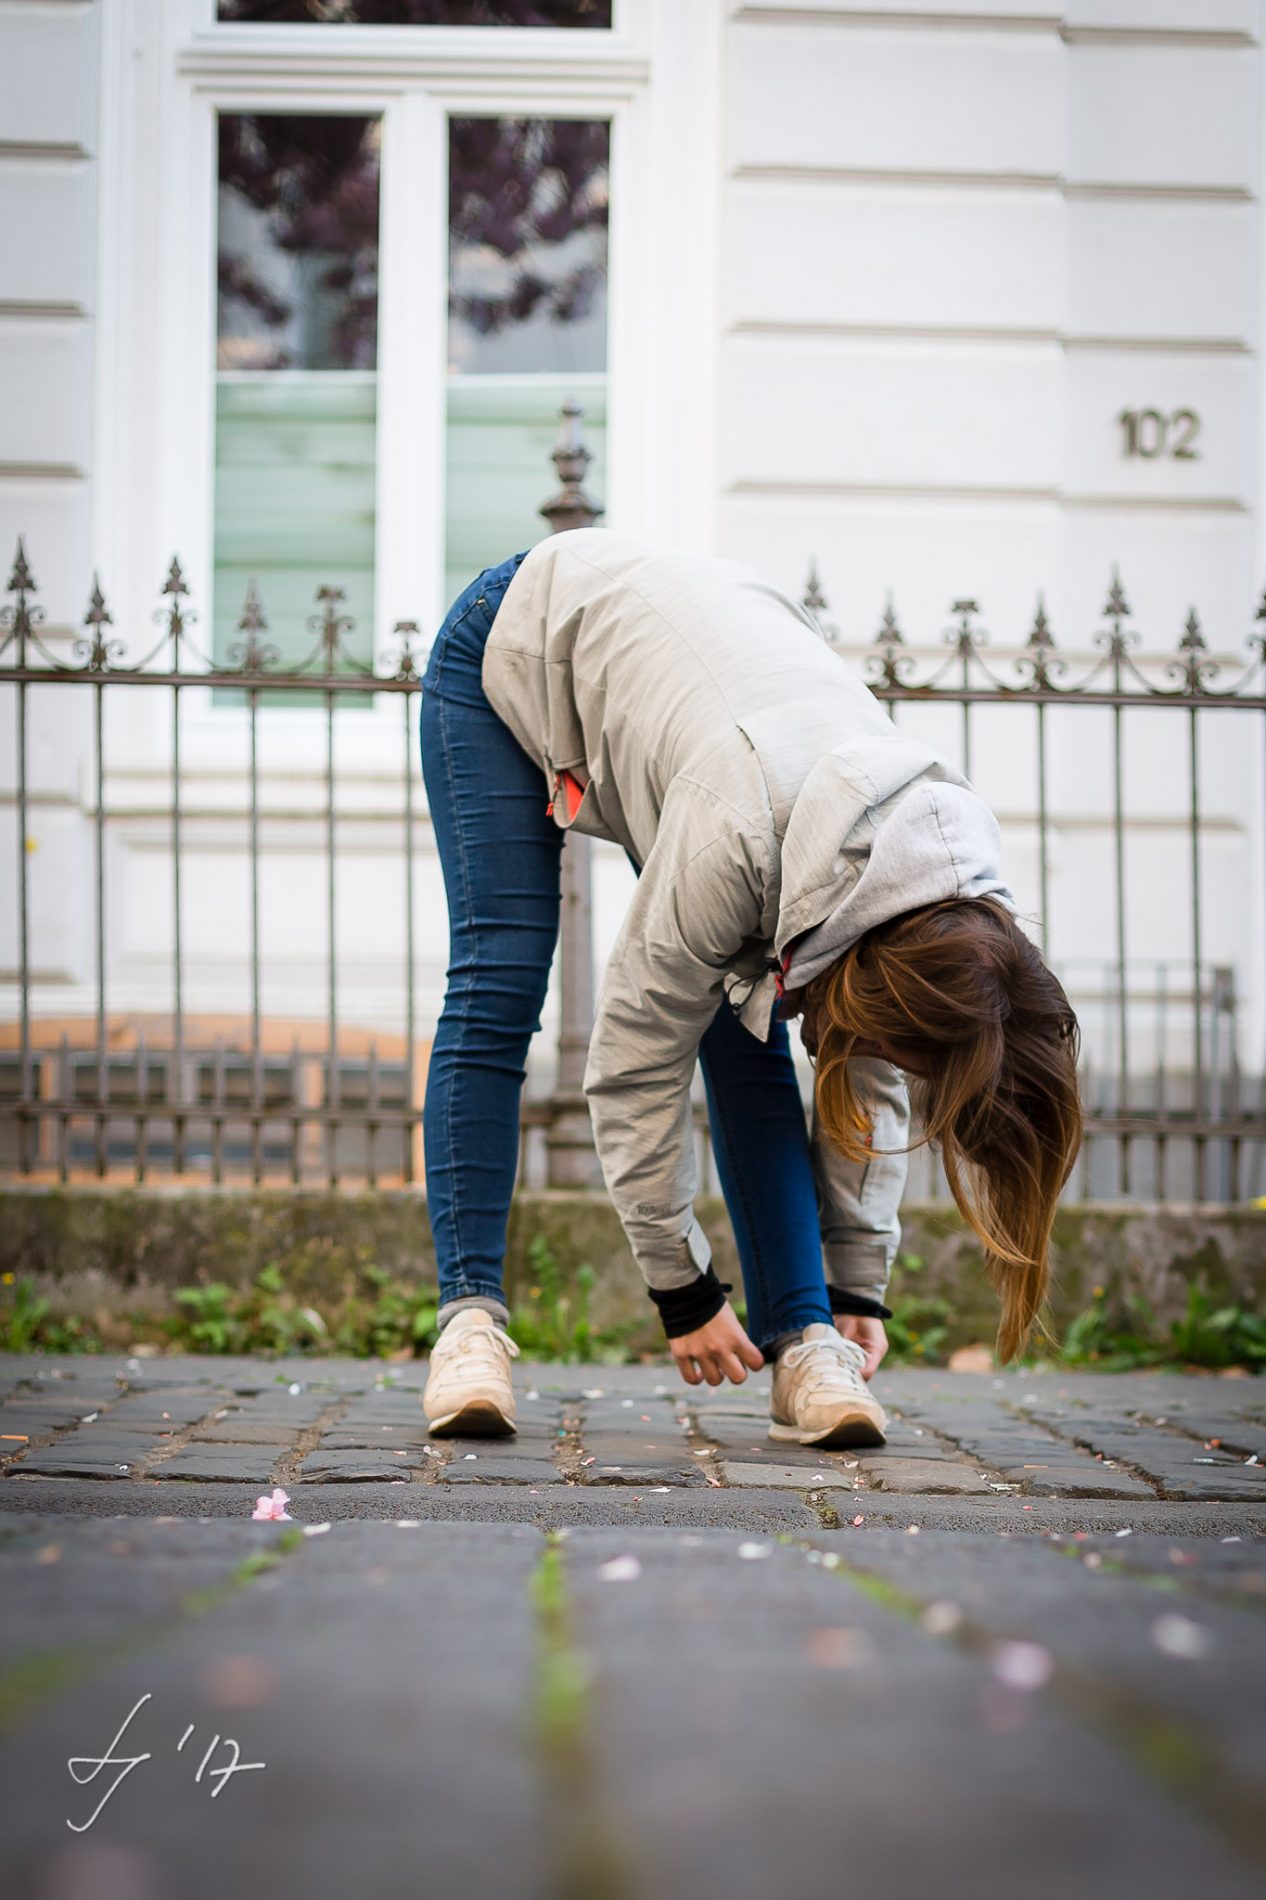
<point>1038,659</point>
<point>20,621</point>
<point>250,654</point>
<point>815,602</point>
<point>891,644</point>
<point>22,581</point>
<point>1117,607</point>
<point>571,507</point>
<point>98,652</point>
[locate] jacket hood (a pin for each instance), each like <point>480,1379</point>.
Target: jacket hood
<point>881,827</point>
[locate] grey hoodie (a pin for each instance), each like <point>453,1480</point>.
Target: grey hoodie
<point>772,805</point>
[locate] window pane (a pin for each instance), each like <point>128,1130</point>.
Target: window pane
<point>527,221</point>
<point>527,322</point>
<point>569,13</point>
<point>296,384</point>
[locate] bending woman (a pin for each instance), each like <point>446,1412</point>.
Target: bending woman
<point>797,854</point>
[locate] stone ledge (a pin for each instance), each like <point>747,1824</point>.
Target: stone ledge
<point>93,1248</point>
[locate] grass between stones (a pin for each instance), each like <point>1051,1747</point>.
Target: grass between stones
<point>590,1861</point>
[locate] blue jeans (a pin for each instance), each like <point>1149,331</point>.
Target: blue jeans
<point>500,853</point>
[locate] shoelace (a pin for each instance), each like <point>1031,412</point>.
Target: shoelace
<point>488,1337</point>
<point>840,1361</point>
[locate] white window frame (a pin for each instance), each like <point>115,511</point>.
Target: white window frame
<point>167,72</point>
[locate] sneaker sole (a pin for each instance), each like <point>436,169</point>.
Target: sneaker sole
<point>478,1418</point>
<point>855,1429</point>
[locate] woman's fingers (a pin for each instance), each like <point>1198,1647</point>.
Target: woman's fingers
<point>717,1351</point>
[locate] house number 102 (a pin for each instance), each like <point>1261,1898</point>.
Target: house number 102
<point>1149,433</point>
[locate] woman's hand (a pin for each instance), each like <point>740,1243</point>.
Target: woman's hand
<point>869,1334</point>
<point>720,1350</point>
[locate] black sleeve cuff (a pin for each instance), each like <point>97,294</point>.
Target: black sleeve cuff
<point>683,1308</point>
<point>842,1302</point>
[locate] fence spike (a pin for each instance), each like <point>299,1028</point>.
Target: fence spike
<point>1193,640</point>
<point>253,618</point>
<point>98,652</point>
<point>815,602</point>
<point>330,625</point>
<point>406,631</point>
<point>571,507</point>
<point>814,599</point>
<point>1040,639</point>
<point>1117,607</point>
<point>964,637</point>
<point>22,581</point>
<point>251,654</point>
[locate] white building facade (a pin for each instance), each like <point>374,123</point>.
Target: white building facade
<point>957,300</point>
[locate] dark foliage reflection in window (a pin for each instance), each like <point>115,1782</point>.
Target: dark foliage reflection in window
<point>565,13</point>
<point>298,246</point>
<point>527,244</point>
<point>296,382</point>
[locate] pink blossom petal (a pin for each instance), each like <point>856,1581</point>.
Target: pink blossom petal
<point>620,1570</point>
<point>272,1509</point>
<point>1023,1665</point>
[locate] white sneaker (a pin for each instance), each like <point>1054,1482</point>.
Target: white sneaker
<point>819,1396</point>
<point>468,1392</point>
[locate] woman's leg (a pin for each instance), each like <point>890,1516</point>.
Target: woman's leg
<point>499,852</point>
<point>761,1141</point>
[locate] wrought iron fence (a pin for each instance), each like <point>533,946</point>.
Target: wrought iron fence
<point>181,1091</point>
<point>1206,1106</point>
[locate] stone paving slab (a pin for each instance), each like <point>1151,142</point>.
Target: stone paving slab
<point>1175,1466</point>
<point>1137,1645</point>
<point>813,1476</point>
<point>921,1475</point>
<point>369,1726</point>
<point>488,1468</point>
<point>69,1584</point>
<point>353,1467</point>
<point>118,1459</point>
<point>245,1431</point>
<point>882,1757</point>
<point>218,1463</point>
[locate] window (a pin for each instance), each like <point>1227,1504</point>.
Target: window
<point>566,13</point>
<point>296,372</point>
<point>527,322</point>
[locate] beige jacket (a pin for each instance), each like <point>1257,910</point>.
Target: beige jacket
<point>749,771</point>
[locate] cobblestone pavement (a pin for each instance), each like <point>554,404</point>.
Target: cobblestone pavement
<point>636,1652</point>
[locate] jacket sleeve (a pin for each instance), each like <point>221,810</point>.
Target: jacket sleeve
<point>859,1202</point>
<point>699,897</point>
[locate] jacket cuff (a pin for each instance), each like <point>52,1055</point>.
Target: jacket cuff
<point>684,1308</point>
<point>844,1302</point>
<point>668,1265</point>
<point>859,1266</point>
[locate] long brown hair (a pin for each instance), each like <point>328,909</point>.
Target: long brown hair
<point>958,994</point>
